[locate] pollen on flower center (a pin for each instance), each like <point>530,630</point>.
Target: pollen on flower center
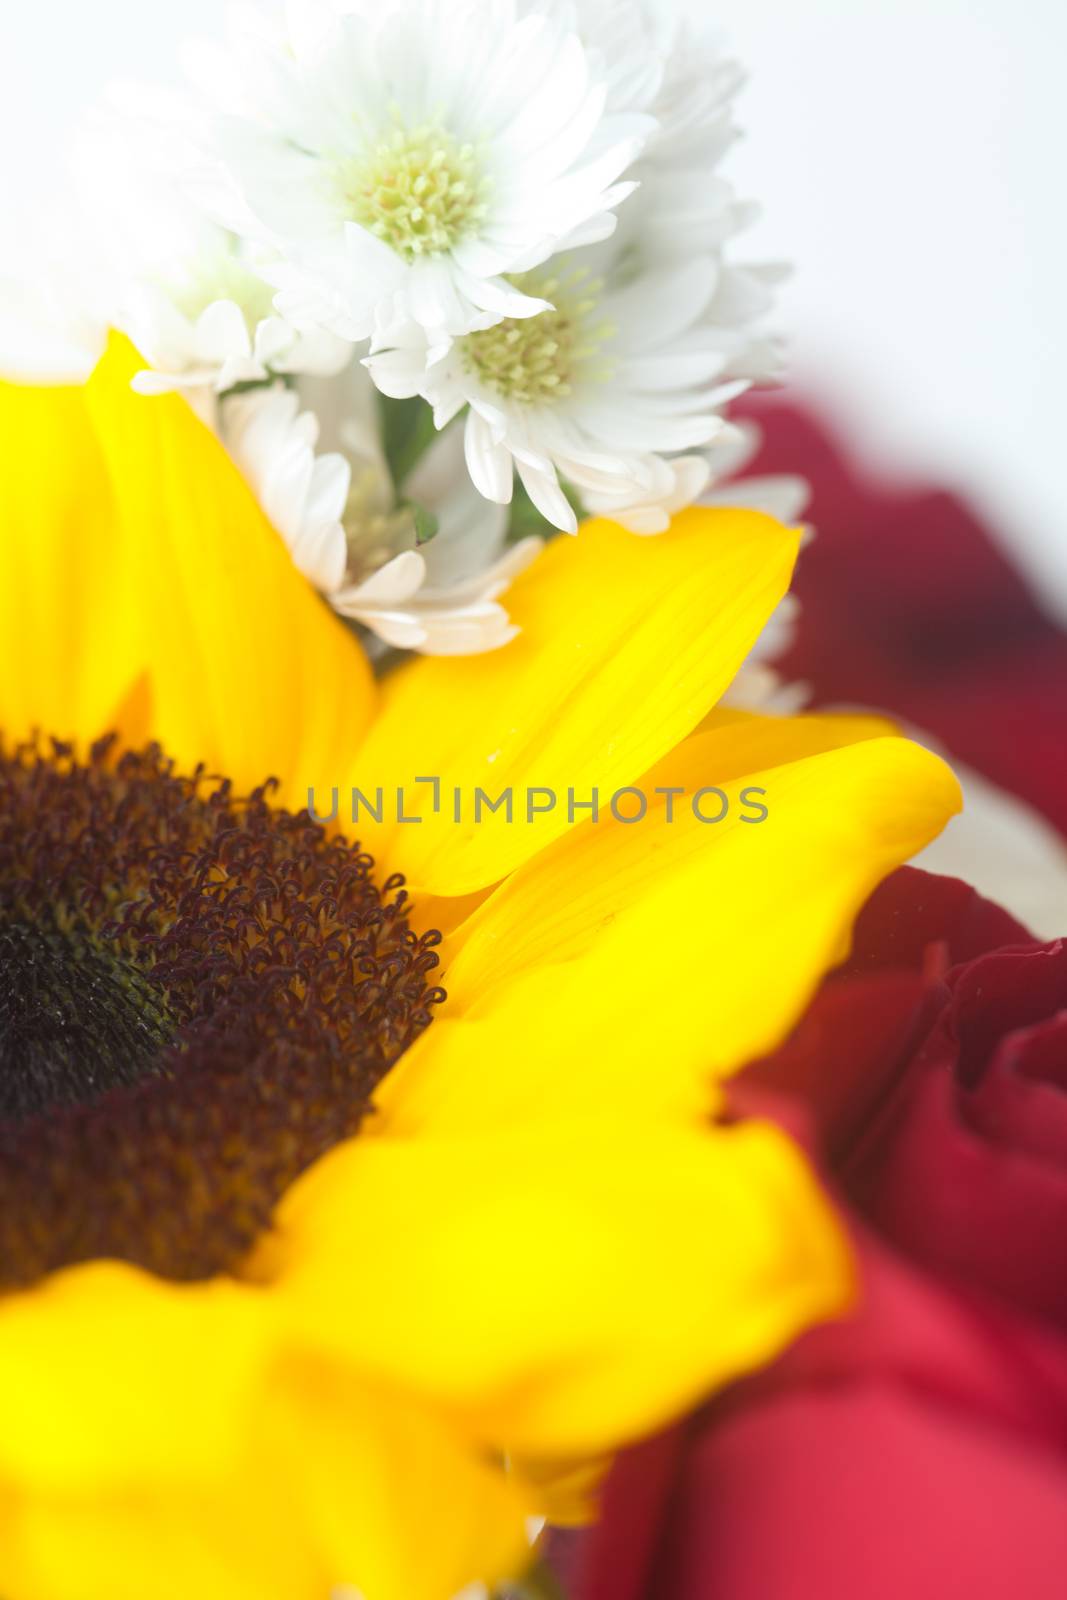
<point>535,360</point>
<point>200,995</point>
<point>419,190</point>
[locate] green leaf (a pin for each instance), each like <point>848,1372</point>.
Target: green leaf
<point>250,385</point>
<point>426,522</point>
<point>540,1583</point>
<point>407,432</point>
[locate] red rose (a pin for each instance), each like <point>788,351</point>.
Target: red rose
<point>920,1447</point>
<point>909,605</point>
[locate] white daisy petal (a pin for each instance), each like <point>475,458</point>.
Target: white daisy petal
<point>542,485</point>
<point>390,586</point>
<point>221,333</point>
<point>785,497</point>
<point>489,462</point>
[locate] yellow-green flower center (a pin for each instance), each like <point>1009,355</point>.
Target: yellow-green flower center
<point>221,275</point>
<point>535,360</point>
<point>418,189</point>
<point>377,527</point>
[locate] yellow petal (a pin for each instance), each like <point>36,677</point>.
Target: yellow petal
<point>740,742</point>
<point>333,1479</point>
<point>626,643</point>
<point>664,955</point>
<point>95,1367</point>
<point>399,1505</point>
<point>756,921</point>
<point>553,908</point>
<point>250,670</point>
<point>174,1448</point>
<point>242,1544</point>
<point>566,1490</point>
<point>69,635</point>
<point>582,1282</point>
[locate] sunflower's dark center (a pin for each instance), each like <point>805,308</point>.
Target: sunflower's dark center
<point>198,997</point>
<point>74,1021</point>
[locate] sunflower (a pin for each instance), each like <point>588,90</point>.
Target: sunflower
<point>359,1197</point>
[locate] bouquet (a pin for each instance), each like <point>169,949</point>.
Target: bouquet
<point>416,862</point>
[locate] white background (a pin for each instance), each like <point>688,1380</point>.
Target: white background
<point>911,156</point>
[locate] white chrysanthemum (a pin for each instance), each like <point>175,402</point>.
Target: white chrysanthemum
<point>650,333</point>
<point>661,58</point>
<point>355,535</point>
<point>187,292</point>
<point>209,322</point>
<point>612,390</point>
<point>408,158</point>
<point>657,56</point>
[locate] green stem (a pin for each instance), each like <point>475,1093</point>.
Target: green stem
<point>540,1583</point>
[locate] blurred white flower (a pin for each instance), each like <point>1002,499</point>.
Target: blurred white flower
<point>325,484</point>
<point>209,322</point>
<point>49,332</point>
<point>187,292</point>
<point>406,159</point>
<point>662,59</point>
<point>1002,846</point>
<point>760,686</point>
<point>784,496</point>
